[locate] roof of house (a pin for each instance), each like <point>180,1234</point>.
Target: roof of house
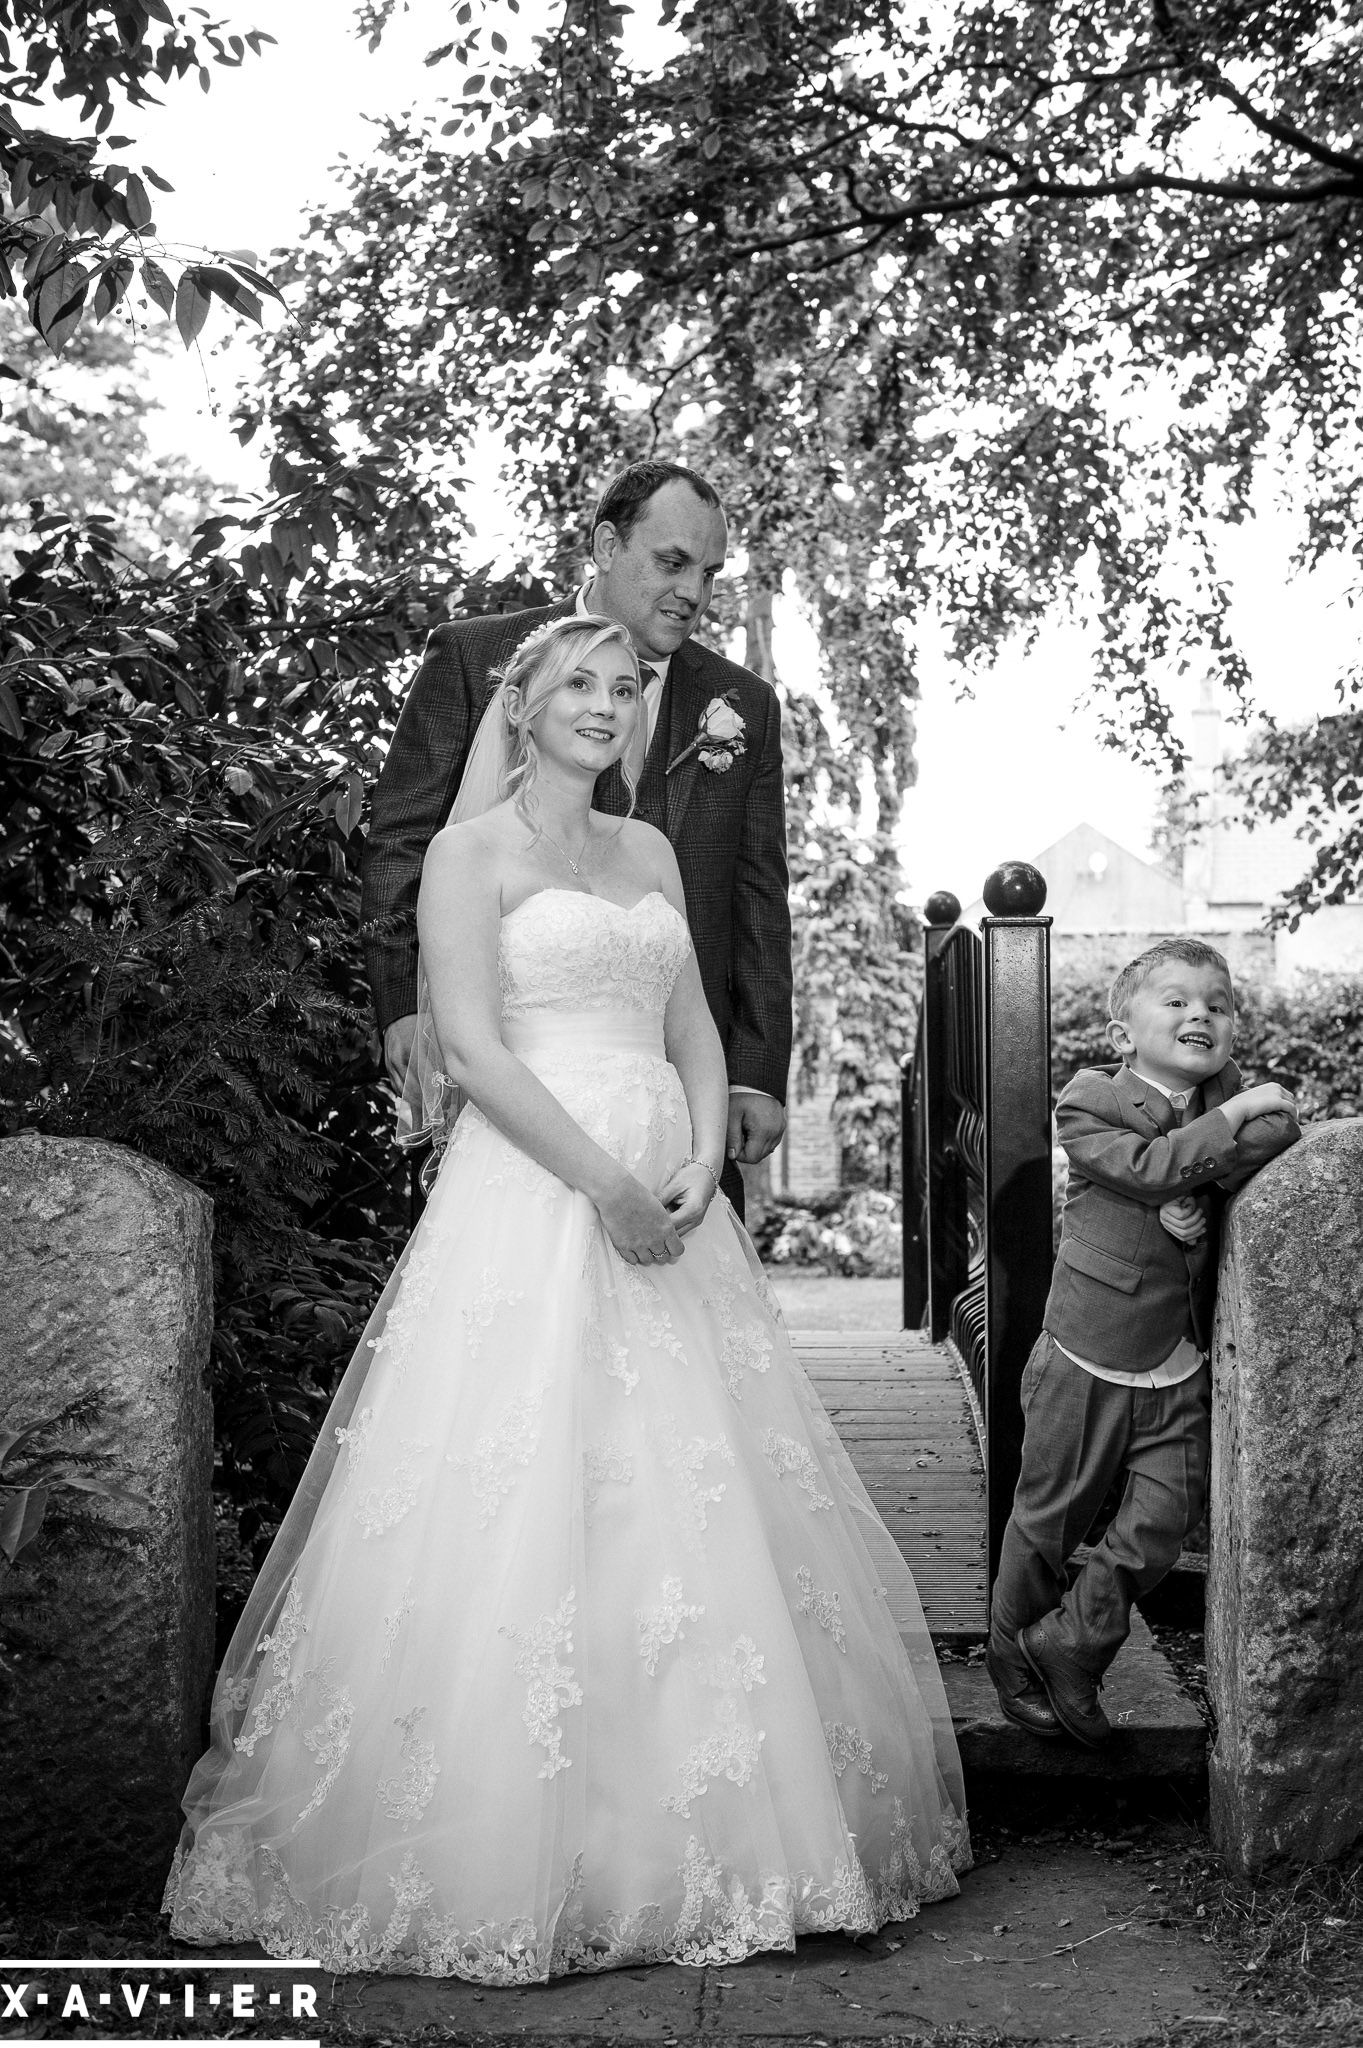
<point>1093,884</point>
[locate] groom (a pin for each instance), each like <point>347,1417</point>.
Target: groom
<point>658,539</point>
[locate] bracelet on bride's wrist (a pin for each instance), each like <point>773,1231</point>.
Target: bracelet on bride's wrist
<point>695,1161</point>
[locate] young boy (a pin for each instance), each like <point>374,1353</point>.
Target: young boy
<point>1118,1383</point>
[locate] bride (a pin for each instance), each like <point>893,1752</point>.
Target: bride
<point>574,1649</point>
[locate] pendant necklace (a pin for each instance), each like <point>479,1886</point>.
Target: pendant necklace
<point>575,865</point>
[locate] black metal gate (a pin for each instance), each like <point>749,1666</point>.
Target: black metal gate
<point>977,1155</point>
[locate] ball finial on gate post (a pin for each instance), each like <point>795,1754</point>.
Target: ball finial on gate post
<point>1015,889</point>
<point>942,908</point>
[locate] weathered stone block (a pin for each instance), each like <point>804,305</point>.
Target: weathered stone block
<point>1285,1583</point>
<point>107,1285</point>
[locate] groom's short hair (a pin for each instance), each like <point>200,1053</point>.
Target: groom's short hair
<point>630,489</point>
<point>1135,974</point>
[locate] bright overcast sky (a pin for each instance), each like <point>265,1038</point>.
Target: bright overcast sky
<point>1000,776</point>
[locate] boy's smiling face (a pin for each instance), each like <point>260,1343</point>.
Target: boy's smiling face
<point>1178,1025</point>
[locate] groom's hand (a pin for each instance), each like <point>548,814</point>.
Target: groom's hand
<point>755,1126</point>
<point>398,1041</point>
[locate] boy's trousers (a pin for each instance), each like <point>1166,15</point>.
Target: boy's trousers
<point>1082,1434</point>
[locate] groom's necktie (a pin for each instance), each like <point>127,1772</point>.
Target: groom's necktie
<point>652,681</point>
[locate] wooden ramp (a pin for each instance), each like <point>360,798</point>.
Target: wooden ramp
<point>900,1405</point>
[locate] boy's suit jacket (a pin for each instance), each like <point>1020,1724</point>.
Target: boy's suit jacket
<point>727,829</point>
<point>1124,1291</point>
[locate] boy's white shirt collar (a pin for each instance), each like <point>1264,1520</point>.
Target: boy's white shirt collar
<point>1178,1096</point>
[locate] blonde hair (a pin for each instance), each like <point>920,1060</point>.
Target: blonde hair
<point>1135,974</point>
<point>540,665</point>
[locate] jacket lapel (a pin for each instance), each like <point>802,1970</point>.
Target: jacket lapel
<point>684,701</point>
<point>1151,1106</point>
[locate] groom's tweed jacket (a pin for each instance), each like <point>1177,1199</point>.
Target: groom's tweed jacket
<point>727,829</point>
<point>1124,1289</point>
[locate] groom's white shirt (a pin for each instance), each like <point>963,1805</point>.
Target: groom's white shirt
<point>653,697</point>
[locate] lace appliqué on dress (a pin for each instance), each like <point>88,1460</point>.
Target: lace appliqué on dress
<point>784,1454</point>
<point>736,1670</point>
<point>601,1352</point>
<point>604,1464</point>
<point>743,1349</point>
<point>480,1313</point>
<point>279,1700</point>
<point>402,1325</point>
<point>491,1464</point>
<point>847,1745</point>
<point>825,1607</point>
<point>517,1169</point>
<point>663,1624</point>
<point>353,1441</point>
<point>730,1752</point>
<point>392,1624</point>
<point>406,1797</point>
<point>642,1297</point>
<point>552,1685</point>
<point>603,956</point>
<point>684,1460</point>
<point>719,1921</point>
<point>329,1743</point>
<point>380,1508</point>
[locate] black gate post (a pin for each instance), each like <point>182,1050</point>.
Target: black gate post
<point>913,1258</point>
<point>941,911</point>
<point>1017,1084</point>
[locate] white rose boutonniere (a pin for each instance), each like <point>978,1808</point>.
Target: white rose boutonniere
<point>720,737</point>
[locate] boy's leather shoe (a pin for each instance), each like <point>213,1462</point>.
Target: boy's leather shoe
<point>1071,1690</point>
<point>1021,1700</point>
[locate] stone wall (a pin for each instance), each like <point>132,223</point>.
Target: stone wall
<point>1285,1588</point>
<point>108,1287</point>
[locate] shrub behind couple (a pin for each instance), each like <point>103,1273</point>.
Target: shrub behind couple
<point>580,1655</point>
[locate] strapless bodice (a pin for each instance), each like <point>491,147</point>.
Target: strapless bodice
<point>565,955</point>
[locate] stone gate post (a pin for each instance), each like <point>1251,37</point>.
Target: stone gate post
<point>1285,1585</point>
<point>106,1286</point>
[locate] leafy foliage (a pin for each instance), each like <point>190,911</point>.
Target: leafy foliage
<point>973,313</point>
<point>853,1232</point>
<point>77,234</point>
<point>75,438</point>
<point>968,315</point>
<point>180,967</point>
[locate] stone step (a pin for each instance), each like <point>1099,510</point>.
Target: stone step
<point>1157,1731</point>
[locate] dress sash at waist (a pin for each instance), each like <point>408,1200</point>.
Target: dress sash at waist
<point>586,1032</point>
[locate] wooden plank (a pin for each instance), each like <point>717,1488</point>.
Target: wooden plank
<point>900,1407</point>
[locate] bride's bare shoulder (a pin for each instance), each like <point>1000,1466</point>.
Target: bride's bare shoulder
<point>479,848</point>
<point>647,847</point>
<point>638,837</point>
<point>485,837</point>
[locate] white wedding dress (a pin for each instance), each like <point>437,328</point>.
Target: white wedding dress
<point>575,1650</point>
